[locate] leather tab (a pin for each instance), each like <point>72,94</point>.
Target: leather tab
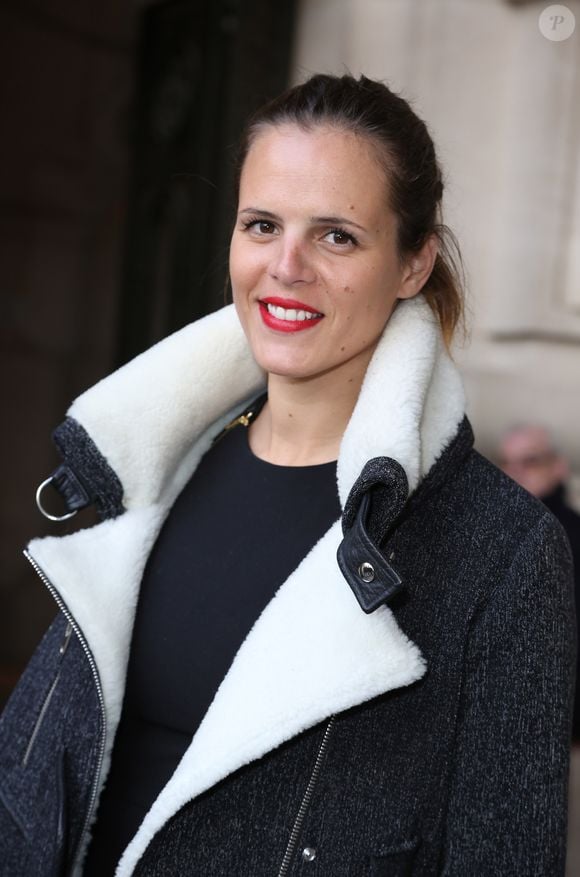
<point>91,475</point>
<point>70,488</point>
<point>371,577</point>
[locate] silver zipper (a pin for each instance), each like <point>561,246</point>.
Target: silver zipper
<point>74,626</point>
<point>306,799</point>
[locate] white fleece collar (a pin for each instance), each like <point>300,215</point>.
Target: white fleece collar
<point>145,416</point>
<point>153,420</point>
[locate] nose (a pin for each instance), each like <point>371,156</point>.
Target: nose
<point>291,263</point>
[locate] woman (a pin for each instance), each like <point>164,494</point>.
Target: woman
<point>371,681</point>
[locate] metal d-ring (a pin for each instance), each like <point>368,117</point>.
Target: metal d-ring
<point>43,511</point>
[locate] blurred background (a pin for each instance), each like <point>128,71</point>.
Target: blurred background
<point>119,120</point>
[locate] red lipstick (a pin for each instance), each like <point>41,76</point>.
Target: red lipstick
<point>273,321</point>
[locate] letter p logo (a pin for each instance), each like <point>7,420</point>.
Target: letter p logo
<point>557,23</point>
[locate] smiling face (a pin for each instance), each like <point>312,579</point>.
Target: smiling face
<point>313,260</point>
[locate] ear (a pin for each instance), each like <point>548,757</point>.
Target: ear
<point>417,268</point>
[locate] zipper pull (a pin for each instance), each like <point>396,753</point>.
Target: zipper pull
<point>242,420</point>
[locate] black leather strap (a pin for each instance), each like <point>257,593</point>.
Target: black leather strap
<point>85,477</point>
<point>372,578</point>
<point>75,496</point>
<point>374,504</point>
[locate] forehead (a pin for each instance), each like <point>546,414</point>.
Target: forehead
<point>322,162</point>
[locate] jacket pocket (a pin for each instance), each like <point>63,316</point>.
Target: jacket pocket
<point>47,698</point>
<point>39,720</point>
<point>395,861</point>
<point>28,845</point>
<point>61,826</point>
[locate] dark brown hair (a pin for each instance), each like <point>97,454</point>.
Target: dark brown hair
<point>406,153</point>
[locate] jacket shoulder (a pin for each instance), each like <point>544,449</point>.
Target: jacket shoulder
<point>478,531</point>
<point>483,496</point>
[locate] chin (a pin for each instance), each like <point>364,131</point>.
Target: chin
<point>276,360</point>
<point>284,369</point>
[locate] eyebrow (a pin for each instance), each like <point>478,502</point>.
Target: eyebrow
<point>326,220</point>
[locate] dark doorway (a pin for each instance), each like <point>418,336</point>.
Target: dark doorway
<point>203,66</point>
<point>94,269</point>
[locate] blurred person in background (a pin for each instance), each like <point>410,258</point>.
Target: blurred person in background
<point>528,454</point>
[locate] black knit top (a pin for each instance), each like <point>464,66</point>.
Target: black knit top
<point>235,533</point>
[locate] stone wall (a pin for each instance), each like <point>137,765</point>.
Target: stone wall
<point>502,102</point>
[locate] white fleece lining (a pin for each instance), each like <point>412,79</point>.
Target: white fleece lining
<point>145,416</point>
<point>153,420</point>
<point>411,401</point>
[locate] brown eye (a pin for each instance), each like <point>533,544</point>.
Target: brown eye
<point>340,237</point>
<point>259,226</point>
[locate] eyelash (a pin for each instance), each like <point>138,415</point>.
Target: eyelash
<point>251,221</point>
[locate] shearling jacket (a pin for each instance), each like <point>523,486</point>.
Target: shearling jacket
<point>403,704</point>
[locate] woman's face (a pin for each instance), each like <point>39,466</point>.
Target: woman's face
<point>313,261</point>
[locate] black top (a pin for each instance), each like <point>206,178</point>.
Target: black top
<point>234,535</point>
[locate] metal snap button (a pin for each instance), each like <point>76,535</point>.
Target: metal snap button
<point>308,854</point>
<point>366,571</point>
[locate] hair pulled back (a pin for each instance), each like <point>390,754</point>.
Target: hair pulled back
<point>405,151</point>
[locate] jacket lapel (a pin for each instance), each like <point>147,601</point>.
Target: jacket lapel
<point>312,652</point>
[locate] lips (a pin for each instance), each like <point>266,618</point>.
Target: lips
<point>288,315</point>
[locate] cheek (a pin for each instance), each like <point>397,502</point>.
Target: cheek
<point>363,318</point>
<point>245,269</point>
<point>366,304</point>
<point>239,257</point>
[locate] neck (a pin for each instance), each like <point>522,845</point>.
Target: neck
<point>303,421</point>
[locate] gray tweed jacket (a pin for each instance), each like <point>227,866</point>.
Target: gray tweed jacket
<point>427,738</point>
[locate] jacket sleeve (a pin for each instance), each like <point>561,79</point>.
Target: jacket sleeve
<point>507,812</point>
